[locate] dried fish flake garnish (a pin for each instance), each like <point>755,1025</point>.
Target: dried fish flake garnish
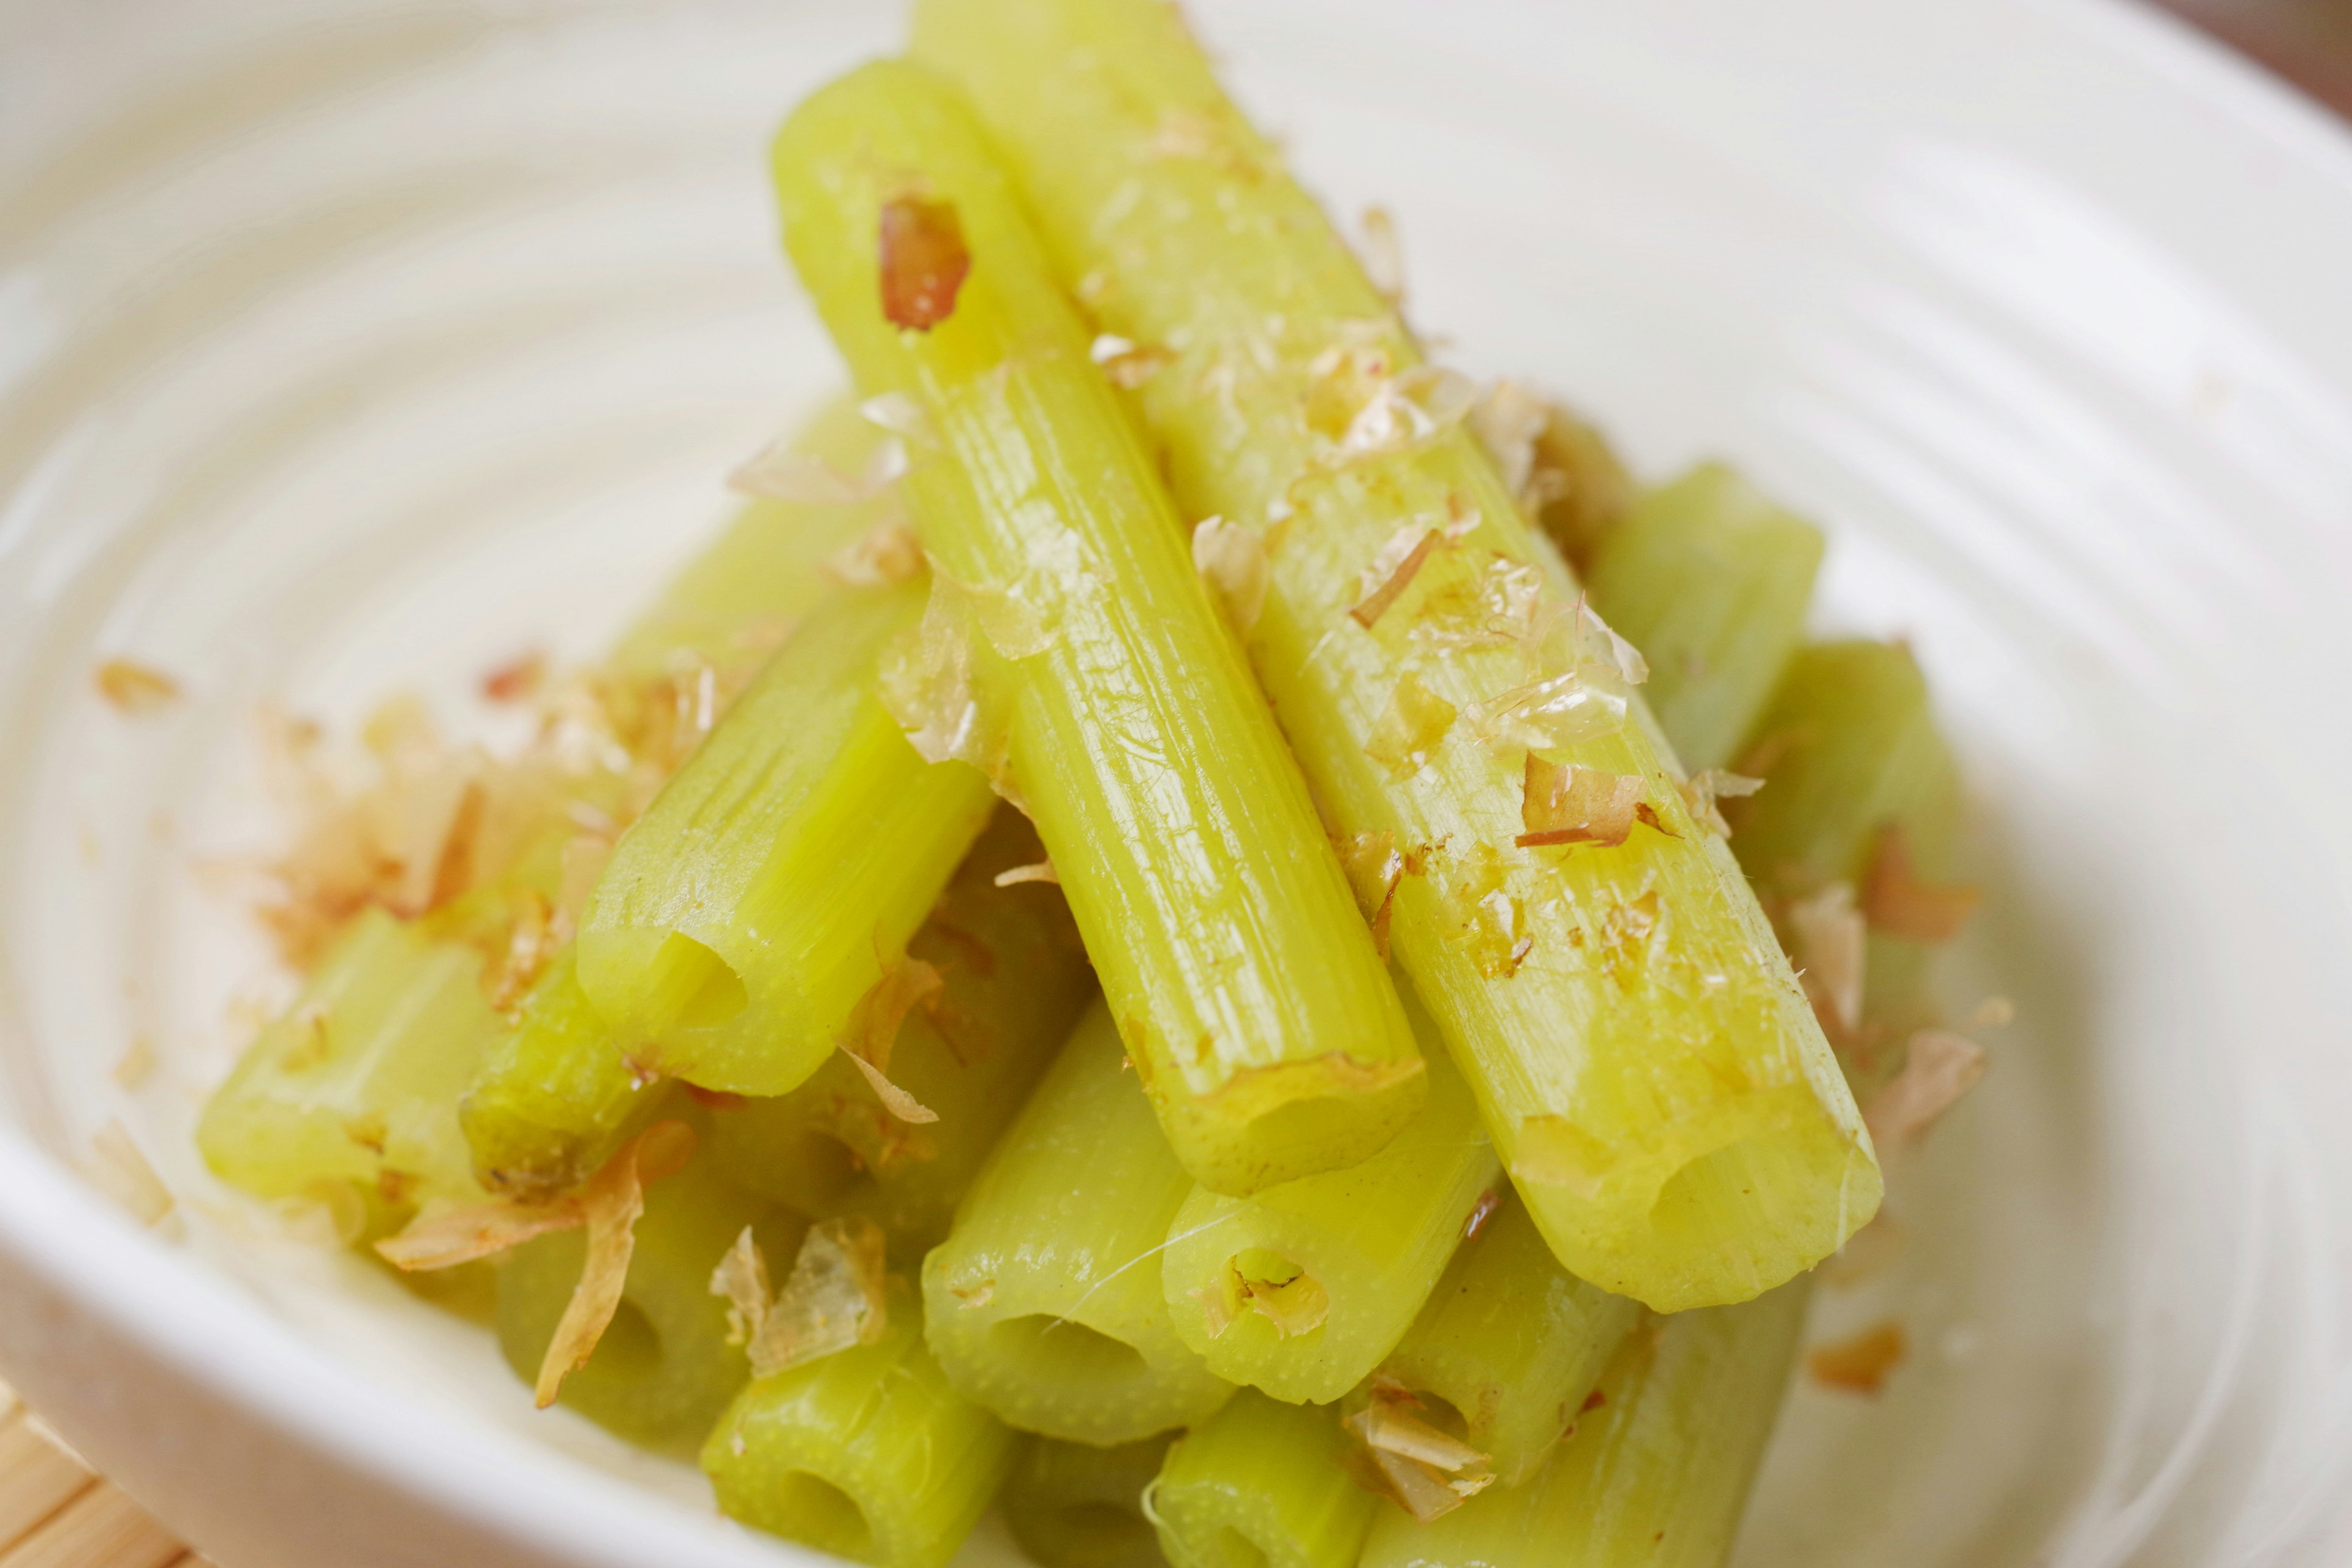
<point>1412,728</point>
<point>887,554</point>
<point>517,679</point>
<point>136,690</point>
<point>1702,790</point>
<point>902,415</point>
<point>971,1299</point>
<point>1939,1069</point>
<point>1427,1472</point>
<point>923,261</point>
<point>1232,560</point>
<point>1127,364</point>
<point>610,1204</point>
<point>1382,253</point>
<point>1564,804</point>
<point>782,472</point>
<point>1829,943</point>
<point>1277,1289</point>
<point>873,1029</point>
<point>1896,901</point>
<point>1041,872</point>
<point>1861,1363</point>
<point>833,1300</point>
<point>1404,410</point>
<point>742,1280</point>
<point>1392,570</point>
<point>1375,868</point>
<point>118,1168</point>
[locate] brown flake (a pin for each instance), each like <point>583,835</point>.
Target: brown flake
<point>1861,1363</point>
<point>1895,901</point>
<point>136,690</point>
<point>1564,804</point>
<point>923,261</point>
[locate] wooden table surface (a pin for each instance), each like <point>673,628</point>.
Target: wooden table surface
<point>54,1513</point>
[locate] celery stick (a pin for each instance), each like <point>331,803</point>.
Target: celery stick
<point>1260,1485</point>
<point>1225,933</point>
<point>780,871</point>
<point>356,1086</point>
<point>664,1370</point>
<point>1709,580</point>
<point>1073,1505</point>
<point>865,1453</point>
<point>1349,1256</point>
<point>1657,1474</point>
<point>1044,1304</point>
<point>553,1097</point>
<point>766,569</point>
<point>1509,1344</point>
<point>1013,980</point>
<point>1658,1088</point>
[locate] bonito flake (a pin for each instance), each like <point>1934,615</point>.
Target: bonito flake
<point>833,1300</point>
<point>1427,1471</point>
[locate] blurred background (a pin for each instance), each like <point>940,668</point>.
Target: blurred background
<point>2309,42</point>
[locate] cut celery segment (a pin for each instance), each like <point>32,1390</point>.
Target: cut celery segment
<point>1073,1505</point>
<point>1076,651</point>
<point>1260,1485</point>
<point>1044,1304</point>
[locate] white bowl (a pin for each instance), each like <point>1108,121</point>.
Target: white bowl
<point>348,345</point>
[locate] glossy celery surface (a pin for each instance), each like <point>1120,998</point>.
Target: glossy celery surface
<point>1260,1485</point>
<point>554,1095</point>
<point>1710,580</point>
<point>664,1371</point>
<point>1658,1088</point>
<point>1012,982</point>
<point>1657,1474</point>
<point>1073,1505</point>
<point>1508,1343</point>
<point>866,1453</point>
<point>1370,1241</point>
<point>782,866</point>
<point>355,1087</point>
<point>1044,1304</point>
<point>1226,937</point>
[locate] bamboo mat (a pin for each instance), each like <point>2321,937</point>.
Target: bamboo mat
<point>54,1513</point>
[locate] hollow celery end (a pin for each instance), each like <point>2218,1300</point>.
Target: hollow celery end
<point>1711,580</point>
<point>1285,1051</point>
<point>356,1083</point>
<point>1278,1124</point>
<point>554,1095</point>
<point>664,1371</point>
<point>1658,1474</point>
<point>1073,1505</point>
<point>1358,1250</point>
<point>742,918</point>
<point>1260,1485</point>
<point>1511,1343</point>
<point>1084,1362</point>
<point>868,1453</point>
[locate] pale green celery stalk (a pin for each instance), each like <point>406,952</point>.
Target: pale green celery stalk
<point>553,1095</point>
<point>1509,1344</point>
<point>1225,933</point>
<point>1849,749</point>
<point>1656,1474</point>
<point>1012,981</point>
<point>781,868</point>
<point>1344,1260</point>
<point>1044,1304</point>
<point>1643,1053</point>
<point>355,1088</point>
<point>767,567</point>
<point>664,1371</point>
<point>1709,580</point>
<point>1260,1485</point>
<point>1073,1505</point>
<point>866,1453</point>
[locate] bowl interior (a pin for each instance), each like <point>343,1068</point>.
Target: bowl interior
<point>349,348</point>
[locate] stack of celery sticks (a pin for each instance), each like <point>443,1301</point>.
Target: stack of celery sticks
<point>1130,943</point>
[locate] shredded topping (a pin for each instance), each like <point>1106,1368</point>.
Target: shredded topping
<point>780,471</point>
<point>1383,256</point>
<point>742,1277</point>
<point>1480,1212</point>
<point>1404,410</point>
<point>888,554</point>
<point>1411,731</point>
<point>1563,803</point>
<point>902,415</point>
<point>610,1204</point>
<point>136,690</point>
<point>975,1296</point>
<point>1560,469</point>
<point>1127,365</point>
<point>923,262</point>
<point>117,1168</point>
<point>1831,945</point>
<point>1276,1288</point>
<point>1042,871</point>
<point>1392,570</point>
<point>1232,560</point>
<point>1492,920</point>
<point>1897,902</point>
<point>1938,1070</point>
<point>1702,790</point>
<point>873,1030</point>
<point>1859,1365</point>
<point>833,1300</point>
<point>1375,868</point>
<point>1427,1472</point>
<point>519,679</point>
